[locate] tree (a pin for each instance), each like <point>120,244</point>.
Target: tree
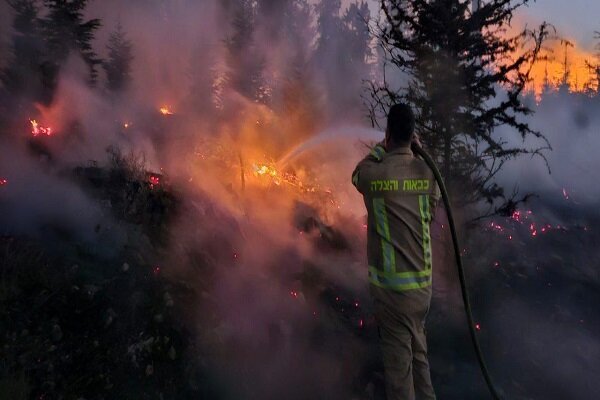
<point>120,57</point>
<point>341,53</point>
<point>245,60</point>
<point>594,68</point>
<point>358,37</point>
<point>23,75</point>
<point>66,30</point>
<point>465,77</point>
<point>293,94</point>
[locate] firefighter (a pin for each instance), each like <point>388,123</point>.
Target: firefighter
<point>400,195</point>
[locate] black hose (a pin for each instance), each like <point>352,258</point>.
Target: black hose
<point>461,273</point>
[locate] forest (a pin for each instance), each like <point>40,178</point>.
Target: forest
<point>177,219</point>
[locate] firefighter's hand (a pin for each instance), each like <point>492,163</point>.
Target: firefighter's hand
<point>417,140</point>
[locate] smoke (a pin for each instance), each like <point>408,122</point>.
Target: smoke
<point>40,202</point>
<point>280,259</point>
<point>281,249</point>
<point>570,124</point>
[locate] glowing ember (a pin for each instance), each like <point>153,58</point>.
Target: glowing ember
<point>497,227</point>
<point>361,323</point>
<point>37,130</point>
<point>294,294</point>
<point>565,194</point>
<point>166,110</point>
<point>516,216</point>
<point>156,270</point>
<point>478,327</point>
<point>528,221</point>
<point>126,125</point>
<point>3,181</point>
<point>153,180</point>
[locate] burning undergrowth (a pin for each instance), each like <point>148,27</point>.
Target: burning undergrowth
<point>160,243</point>
<point>222,267</point>
<point>185,276</point>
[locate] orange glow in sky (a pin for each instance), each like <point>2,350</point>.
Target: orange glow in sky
<point>579,77</point>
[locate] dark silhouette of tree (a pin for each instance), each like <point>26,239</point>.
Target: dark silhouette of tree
<point>245,60</point>
<point>358,37</point>
<point>65,30</point>
<point>341,54</point>
<point>118,64</point>
<point>593,87</point>
<point>204,96</point>
<point>287,25</point>
<point>22,76</point>
<point>465,77</point>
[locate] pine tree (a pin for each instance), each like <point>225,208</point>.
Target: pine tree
<point>594,68</point>
<point>342,49</point>
<point>66,30</point>
<point>329,25</point>
<point>23,75</point>
<point>245,61</point>
<point>203,75</point>
<point>466,76</point>
<point>358,36</point>
<point>120,57</point>
<point>287,24</point>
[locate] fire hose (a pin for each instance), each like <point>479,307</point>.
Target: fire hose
<point>461,273</point>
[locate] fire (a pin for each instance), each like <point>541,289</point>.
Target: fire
<point>577,77</point>
<point>166,110</point>
<point>267,171</point>
<point>153,180</point>
<point>37,130</point>
<point>528,221</point>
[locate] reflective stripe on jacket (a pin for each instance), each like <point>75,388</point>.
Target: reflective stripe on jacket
<point>400,195</point>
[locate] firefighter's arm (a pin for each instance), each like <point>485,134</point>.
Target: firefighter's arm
<point>361,170</point>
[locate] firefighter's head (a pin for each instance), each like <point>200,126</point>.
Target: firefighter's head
<point>400,126</point>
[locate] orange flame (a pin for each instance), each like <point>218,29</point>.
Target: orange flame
<point>552,74</point>
<point>166,110</point>
<point>37,130</point>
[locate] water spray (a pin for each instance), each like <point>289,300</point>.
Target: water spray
<point>461,273</point>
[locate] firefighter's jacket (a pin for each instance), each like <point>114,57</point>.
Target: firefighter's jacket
<point>400,194</point>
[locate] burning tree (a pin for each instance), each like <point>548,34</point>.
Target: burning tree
<point>466,74</point>
<point>594,67</point>
<point>118,65</point>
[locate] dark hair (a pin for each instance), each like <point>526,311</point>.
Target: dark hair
<point>401,123</point>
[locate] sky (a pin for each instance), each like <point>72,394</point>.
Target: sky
<point>576,19</point>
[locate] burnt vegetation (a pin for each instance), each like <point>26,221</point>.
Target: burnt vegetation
<point>138,306</point>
